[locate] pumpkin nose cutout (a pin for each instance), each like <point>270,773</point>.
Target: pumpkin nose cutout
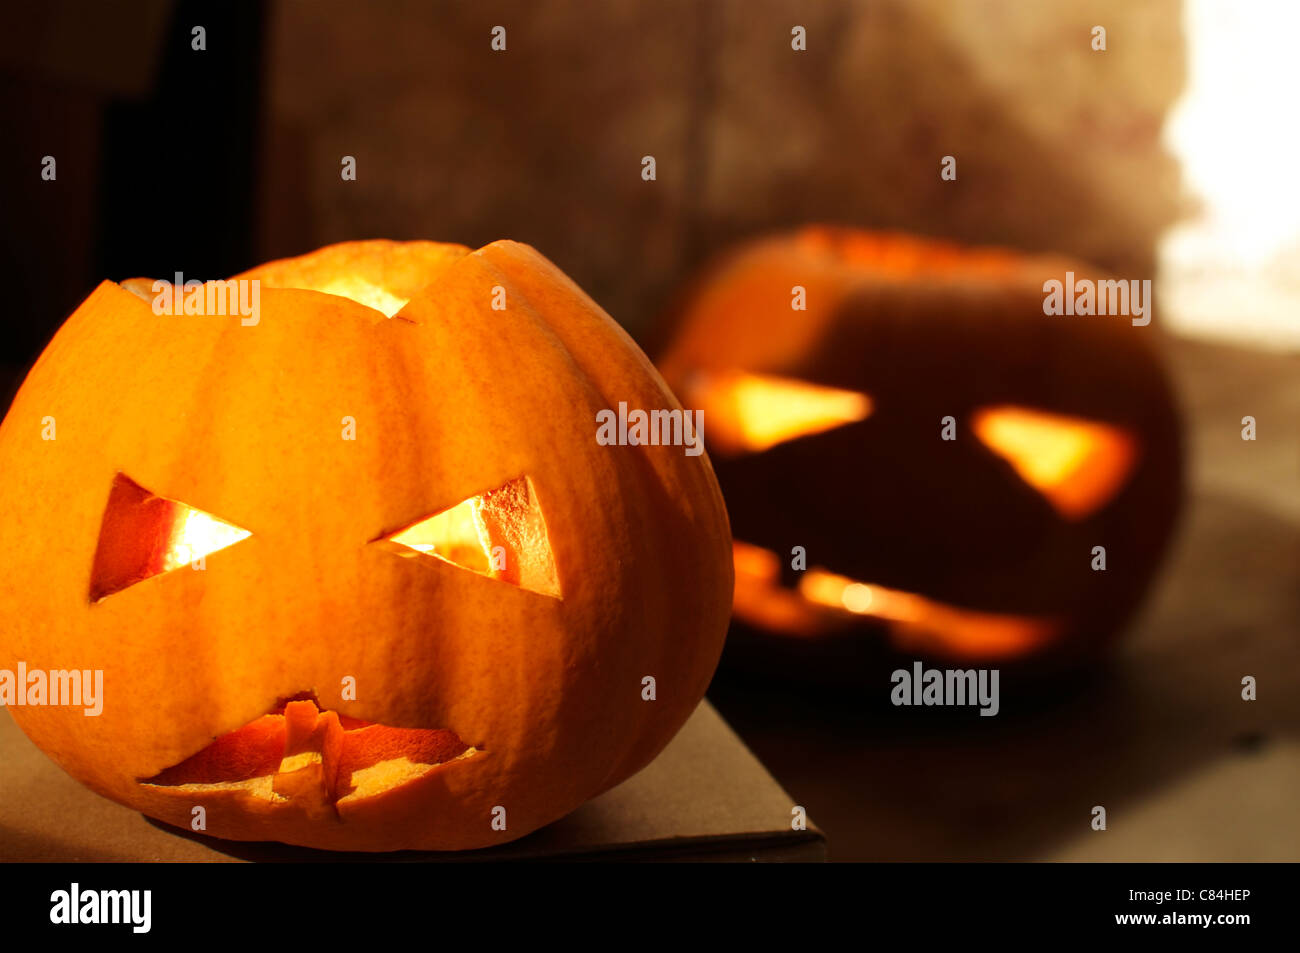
<point>499,533</point>
<point>144,534</point>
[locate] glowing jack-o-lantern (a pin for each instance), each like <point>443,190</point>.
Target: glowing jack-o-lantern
<point>357,573</point>
<point>831,364</point>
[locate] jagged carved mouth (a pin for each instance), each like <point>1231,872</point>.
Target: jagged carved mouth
<point>299,752</point>
<point>916,623</point>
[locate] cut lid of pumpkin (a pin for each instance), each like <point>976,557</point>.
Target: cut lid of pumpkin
<point>381,275</point>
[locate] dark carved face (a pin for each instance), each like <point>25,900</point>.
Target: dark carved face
<point>946,455</point>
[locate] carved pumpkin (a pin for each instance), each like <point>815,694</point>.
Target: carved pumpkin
<point>429,600</point>
<point>826,427</point>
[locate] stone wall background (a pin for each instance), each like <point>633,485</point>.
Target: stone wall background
<point>1057,146</point>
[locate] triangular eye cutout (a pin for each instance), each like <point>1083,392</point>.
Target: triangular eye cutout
<point>749,413</point>
<point>1078,465</point>
<point>144,534</point>
<point>499,533</point>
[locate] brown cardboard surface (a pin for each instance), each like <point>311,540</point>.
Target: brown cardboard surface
<point>705,797</point>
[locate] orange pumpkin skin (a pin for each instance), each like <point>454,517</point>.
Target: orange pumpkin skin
<point>449,399</point>
<point>917,545</point>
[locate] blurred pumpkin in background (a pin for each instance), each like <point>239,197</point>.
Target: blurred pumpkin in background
<point>856,523</point>
<point>428,600</point>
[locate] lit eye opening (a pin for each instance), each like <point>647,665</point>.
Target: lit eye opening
<point>749,413</point>
<point>144,535</point>
<point>1078,465</point>
<point>499,533</point>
